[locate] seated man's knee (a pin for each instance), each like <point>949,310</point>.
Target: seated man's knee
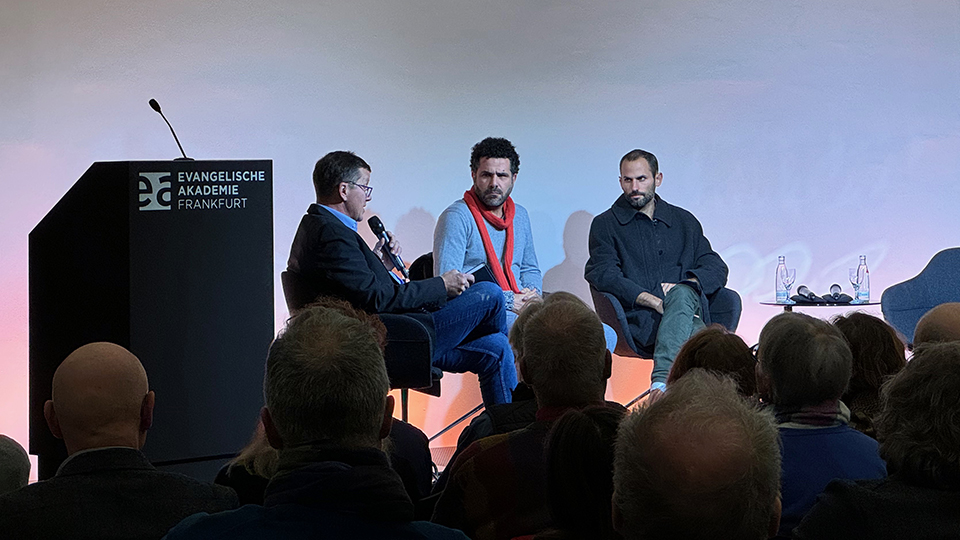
<point>681,295</point>
<point>503,347</point>
<point>488,291</point>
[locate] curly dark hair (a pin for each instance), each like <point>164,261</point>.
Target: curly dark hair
<point>918,431</point>
<point>494,147</point>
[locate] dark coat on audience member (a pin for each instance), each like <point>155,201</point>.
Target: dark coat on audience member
<point>323,492</point>
<point>497,487</point>
<point>890,508</point>
<point>109,493</point>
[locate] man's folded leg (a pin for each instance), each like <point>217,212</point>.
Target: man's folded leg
<point>491,358</point>
<point>471,335</point>
<point>681,318</point>
<point>478,311</point>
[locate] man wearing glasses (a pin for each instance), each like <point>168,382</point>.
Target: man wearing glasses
<point>329,255</point>
<point>654,258</point>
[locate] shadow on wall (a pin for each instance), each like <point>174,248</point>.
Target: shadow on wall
<point>568,275</point>
<point>415,231</point>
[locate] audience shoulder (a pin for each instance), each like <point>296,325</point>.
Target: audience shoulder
<point>218,525</point>
<point>477,448</point>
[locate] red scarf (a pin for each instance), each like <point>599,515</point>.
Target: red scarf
<point>503,273</point>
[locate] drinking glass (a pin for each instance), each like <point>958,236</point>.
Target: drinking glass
<point>856,278</point>
<point>788,276</point>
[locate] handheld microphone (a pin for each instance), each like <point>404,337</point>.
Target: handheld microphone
<point>156,106</point>
<point>377,227</point>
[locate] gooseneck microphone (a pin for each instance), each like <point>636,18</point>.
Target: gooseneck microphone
<point>156,106</point>
<point>377,227</point>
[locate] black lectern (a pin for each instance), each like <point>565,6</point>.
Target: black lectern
<point>173,260</point>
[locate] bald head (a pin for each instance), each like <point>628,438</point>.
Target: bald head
<point>100,398</point>
<point>940,324</point>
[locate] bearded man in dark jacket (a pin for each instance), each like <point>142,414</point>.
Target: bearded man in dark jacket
<point>653,257</point>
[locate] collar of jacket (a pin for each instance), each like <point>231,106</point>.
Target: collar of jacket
<point>113,458</point>
<point>356,481</point>
<point>625,213</point>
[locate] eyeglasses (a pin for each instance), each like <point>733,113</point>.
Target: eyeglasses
<point>367,190</point>
<point>753,351</point>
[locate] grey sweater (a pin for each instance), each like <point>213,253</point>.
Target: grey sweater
<point>457,246</point>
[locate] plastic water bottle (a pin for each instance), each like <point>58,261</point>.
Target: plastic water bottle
<point>863,293</point>
<point>782,297</point>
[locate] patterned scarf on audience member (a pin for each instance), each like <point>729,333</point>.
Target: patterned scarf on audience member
<point>502,273</point>
<point>830,413</point>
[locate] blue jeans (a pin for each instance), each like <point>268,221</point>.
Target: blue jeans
<point>471,335</point>
<point>682,316</point>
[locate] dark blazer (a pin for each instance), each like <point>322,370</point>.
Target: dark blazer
<point>631,253</point>
<point>112,493</point>
<point>335,261</point>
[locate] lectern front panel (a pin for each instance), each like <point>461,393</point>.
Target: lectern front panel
<point>173,260</point>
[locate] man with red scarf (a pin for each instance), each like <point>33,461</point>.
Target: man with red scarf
<point>487,227</point>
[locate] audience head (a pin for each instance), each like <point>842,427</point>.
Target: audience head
<point>876,350</point>
<point>517,330</point>
<point>579,454</point>
<point>940,324</point>
<point>14,465</point>
<point>349,310</point>
<point>918,430</point>
<point>564,356</point>
<point>100,398</point>
<point>335,168</point>
<point>715,349</point>
<point>326,382</point>
<point>526,313</point>
<point>699,463</point>
<point>801,361</point>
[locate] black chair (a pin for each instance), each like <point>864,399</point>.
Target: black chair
<point>904,303</point>
<point>422,268</point>
<point>725,309</point>
<point>409,351</point>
